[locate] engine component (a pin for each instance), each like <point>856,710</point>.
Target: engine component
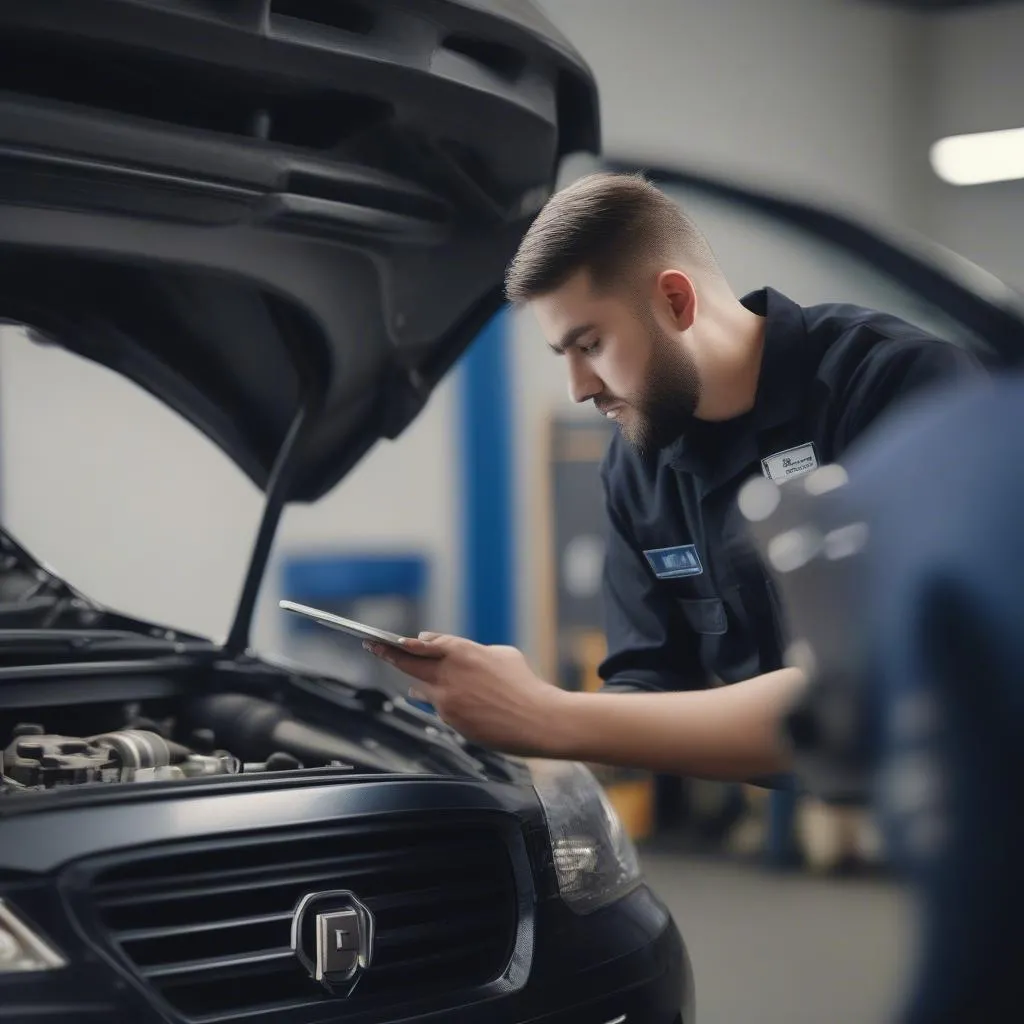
<point>137,721</point>
<point>220,762</point>
<point>251,726</point>
<point>138,748</point>
<point>35,759</point>
<point>202,741</point>
<point>282,762</point>
<point>45,761</point>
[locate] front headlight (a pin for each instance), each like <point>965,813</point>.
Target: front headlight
<point>595,860</point>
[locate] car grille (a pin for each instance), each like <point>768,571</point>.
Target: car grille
<point>209,926</point>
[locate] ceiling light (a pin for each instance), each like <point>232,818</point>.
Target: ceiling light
<point>980,158</point>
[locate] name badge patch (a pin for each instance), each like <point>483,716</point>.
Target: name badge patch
<point>791,463</point>
<point>674,563</point>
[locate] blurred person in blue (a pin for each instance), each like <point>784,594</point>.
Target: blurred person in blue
<point>707,388</point>
<point>902,572</point>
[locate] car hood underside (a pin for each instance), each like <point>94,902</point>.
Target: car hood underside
<point>283,219</point>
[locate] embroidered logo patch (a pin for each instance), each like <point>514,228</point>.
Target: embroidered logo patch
<point>791,463</point>
<point>674,563</point>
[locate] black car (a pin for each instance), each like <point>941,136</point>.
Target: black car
<point>284,219</point>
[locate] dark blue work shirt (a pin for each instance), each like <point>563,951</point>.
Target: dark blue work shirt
<point>687,601</point>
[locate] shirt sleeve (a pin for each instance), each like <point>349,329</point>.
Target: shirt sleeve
<point>893,373</point>
<point>651,647</point>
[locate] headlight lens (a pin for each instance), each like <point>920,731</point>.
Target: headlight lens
<point>595,860</point>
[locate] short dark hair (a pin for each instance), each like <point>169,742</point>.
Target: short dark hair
<point>608,224</point>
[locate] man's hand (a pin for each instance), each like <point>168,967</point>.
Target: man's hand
<point>489,694</point>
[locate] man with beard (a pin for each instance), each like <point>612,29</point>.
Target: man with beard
<point>707,390</point>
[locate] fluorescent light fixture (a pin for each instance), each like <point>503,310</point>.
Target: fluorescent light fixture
<point>980,158</point>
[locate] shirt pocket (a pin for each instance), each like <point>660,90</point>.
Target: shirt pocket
<point>705,615</point>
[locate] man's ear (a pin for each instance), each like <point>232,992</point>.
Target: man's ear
<point>681,296</point>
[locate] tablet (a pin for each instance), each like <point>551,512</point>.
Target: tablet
<point>332,621</point>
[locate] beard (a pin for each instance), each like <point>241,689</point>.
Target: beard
<point>663,410</point>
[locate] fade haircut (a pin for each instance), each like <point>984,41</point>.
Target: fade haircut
<point>611,225</point>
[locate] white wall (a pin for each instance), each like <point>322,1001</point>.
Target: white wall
<point>977,76</point>
<point>800,95</point>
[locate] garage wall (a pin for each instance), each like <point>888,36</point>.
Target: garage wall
<point>977,75</point>
<point>800,95</point>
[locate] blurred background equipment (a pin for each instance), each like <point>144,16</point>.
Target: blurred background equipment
<point>570,600</point>
<point>901,572</point>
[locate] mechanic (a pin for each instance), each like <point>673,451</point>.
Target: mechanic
<point>707,389</point>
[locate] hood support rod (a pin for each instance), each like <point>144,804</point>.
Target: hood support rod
<point>277,489</point>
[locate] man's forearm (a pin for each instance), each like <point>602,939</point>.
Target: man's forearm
<point>728,733</point>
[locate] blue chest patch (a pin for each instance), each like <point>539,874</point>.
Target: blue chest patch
<point>674,563</point>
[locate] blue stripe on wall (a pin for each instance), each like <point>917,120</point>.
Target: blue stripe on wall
<point>487,467</point>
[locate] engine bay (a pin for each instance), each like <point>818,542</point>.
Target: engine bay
<point>140,751</point>
<point>37,760</point>
<point>49,748</point>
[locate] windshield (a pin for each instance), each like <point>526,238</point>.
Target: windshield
<point>118,494</point>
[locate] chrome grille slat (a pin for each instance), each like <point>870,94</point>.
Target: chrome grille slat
<point>195,967</point>
<point>144,934</point>
<point>208,926</point>
<point>284,955</point>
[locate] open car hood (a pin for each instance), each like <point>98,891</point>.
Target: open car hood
<point>286,219</point>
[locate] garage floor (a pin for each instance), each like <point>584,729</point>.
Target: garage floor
<point>784,948</point>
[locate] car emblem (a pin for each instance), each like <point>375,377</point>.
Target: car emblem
<point>332,937</point>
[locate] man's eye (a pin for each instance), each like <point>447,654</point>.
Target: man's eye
<point>589,350</point>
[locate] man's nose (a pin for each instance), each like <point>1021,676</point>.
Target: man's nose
<point>584,384</point>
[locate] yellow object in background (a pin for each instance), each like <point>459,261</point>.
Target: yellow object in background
<point>634,803</point>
